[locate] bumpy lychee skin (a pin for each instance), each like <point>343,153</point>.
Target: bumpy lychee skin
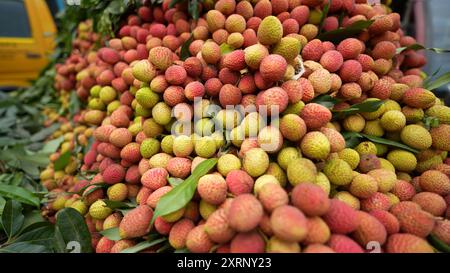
<point>273,67</point>
<point>341,218</point>
<point>313,50</point>
<point>197,240</point>
<point>363,186</point>
<point>321,81</point>
<point>369,229</point>
<point>388,220</point>
<point>440,137</point>
<point>229,95</point>
<point>315,145</point>
<point>245,213</point>
<point>179,232</point>
<point>318,231</point>
<point>289,224</point>
<point>431,202</point>
<point>272,196</point>
<point>310,199</point>
<point>154,178</point>
<point>407,243</point>
<point>270,31</point>
<point>442,230</point>
<point>256,162</point>
<point>315,115</point>
<point>161,57</point>
<point>416,136</point>
<point>419,98</point>
<point>114,173</point>
<point>239,182</point>
<point>212,188</point>
<point>350,71</point>
<point>254,55</point>
<point>350,48</point>
<point>338,172</point>
<point>435,181</point>
<point>179,167</point>
<point>235,60</point>
<point>414,221</point>
<point>292,127</point>
<point>332,60</point>
<point>249,242</point>
<point>136,223</point>
<point>217,227</point>
<point>272,100</point>
<point>131,152</point>
<point>403,190</point>
<point>344,244</point>
<point>99,210</point>
<point>104,245</point>
<point>378,200</point>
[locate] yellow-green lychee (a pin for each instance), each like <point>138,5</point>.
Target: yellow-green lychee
<point>403,161</point>
<point>99,210</point>
<point>416,137</point>
<point>270,31</point>
<point>338,172</point>
<point>385,179</point>
<point>205,147</point>
<point>286,155</point>
<point>393,120</point>
<point>288,47</point>
<point>149,147</point>
<point>315,145</point>
<point>366,148</point>
<point>350,156</point>
<point>301,170</point>
<point>256,162</point>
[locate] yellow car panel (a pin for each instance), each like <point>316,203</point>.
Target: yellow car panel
<point>26,42</point>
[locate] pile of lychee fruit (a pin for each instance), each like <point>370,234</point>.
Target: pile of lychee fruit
<point>168,93</point>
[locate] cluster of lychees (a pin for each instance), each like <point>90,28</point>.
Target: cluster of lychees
<point>168,94</point>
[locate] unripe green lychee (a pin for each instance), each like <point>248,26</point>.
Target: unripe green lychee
<point>183,146</point>
<point>393,120</point>
<point>205,147</point>
<point>107,94</point>
<point>228,163</point>
<point>270,31</point>
<point>354,123</point>
<point>323,182</point>
<point>162,113</point>
<point>288,47</point>
<point>441,112</point>
<point>146,97</point>
<point>167,144</point>
<point>228,118</point>
<point>149,147</point>
<point>256,162</point>
<point>99,210</point>
<point>416,137</point>
<point>80,206</point>
<point>350,156</point>
<point>338,172</point>
<point>363,186</point>
<point>403,161</point>
<point>315,145</point>
<point>204,127</point>
<point>263,180</point>
<point>117,192</point>
<point>373,128</point>
<point>385,179</point>
<point>301,170</point>
<point>366,148</point>
<point>275,170</point>
<point>206,209</point>
<point>413,115</point>
<point>144,71</point>
<point>286,155</point>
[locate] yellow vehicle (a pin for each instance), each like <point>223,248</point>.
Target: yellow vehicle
<point>27,39</point>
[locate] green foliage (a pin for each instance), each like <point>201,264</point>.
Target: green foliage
<point>179,196</point>
<point>340,34</point>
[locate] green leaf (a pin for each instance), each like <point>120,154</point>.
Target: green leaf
<point>364,107</point>
<point>19,194</point>
<point>111,233</point>
<point>340,34</point>
<point>52,146</point>
<point>44,133</point>
<point>438,244</point>
<point>174,2</point>
<point>193,9</point>
<point>390,143</point>
<point>143,245</point>
<point>183,250</point>
<point>325,100</point>
<point>62,161</point>
<point>24,247</point>
<point>73,229</point>
<point>225,49</point>
<point>179,196</point>
<point>440,81</point>
<point>74,104</point>
<point>117,205</point>
<point>352,139</point>
<point>12,218</point>
<point>184,52</point>
<point>2,205</point>
<point>173,181</point>
<point>40,236</point>
<point>325,11</point>
<point>416,47</point>
<point>32,219</point>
